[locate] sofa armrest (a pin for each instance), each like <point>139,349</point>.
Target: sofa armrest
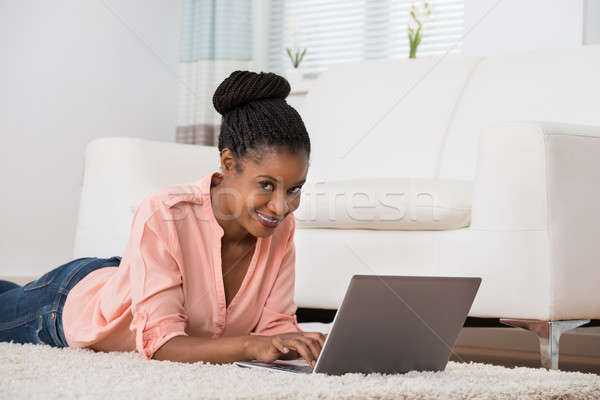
<point>545,177</point>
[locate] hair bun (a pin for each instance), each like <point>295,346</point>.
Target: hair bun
<point>243,87</point>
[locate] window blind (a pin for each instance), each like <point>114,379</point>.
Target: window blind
<point>339,31</point>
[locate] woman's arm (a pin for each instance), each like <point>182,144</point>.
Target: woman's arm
<point>223,350</point>
<point>191,349</point>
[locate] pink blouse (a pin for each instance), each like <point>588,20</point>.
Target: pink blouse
<point>170,281</point>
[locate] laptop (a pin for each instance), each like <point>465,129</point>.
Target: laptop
<point>390,325</point>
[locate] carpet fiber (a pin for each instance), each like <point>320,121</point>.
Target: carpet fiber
<point>43,372</point>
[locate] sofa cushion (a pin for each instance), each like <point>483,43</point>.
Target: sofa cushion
<point>386,204</point>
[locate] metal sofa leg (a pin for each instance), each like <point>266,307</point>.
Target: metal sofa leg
<point>548,333</point>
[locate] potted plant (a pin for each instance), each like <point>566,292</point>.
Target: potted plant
<point>296,55</point>
<point>415,26</point>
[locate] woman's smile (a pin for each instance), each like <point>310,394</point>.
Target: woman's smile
<point>267,220</point>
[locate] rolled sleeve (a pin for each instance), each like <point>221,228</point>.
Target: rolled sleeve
<point>279,312</point>
<point>156,294</point>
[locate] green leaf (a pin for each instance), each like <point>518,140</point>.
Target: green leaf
<point>302,56</point>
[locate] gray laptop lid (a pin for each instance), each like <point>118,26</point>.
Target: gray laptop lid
<point>395,324</point>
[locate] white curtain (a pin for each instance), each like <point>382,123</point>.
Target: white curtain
<point>216,40</point>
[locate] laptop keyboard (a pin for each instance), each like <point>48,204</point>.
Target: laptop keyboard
<point>303,369</point>
<point>292,368</point>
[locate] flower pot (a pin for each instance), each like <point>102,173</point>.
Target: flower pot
<point>294,76</point>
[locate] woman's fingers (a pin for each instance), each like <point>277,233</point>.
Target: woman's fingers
<point>308,345</point>
<point>313,344</point>
<point>317,335</point>
<point>278,343</point>
<point>302,349</point>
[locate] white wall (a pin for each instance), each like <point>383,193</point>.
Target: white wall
<point>72,71</point>
<point>499,26</point>
<point>591,22</point>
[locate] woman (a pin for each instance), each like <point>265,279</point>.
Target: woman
<point>208,271</point>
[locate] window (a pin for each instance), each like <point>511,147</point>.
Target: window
<point>338,31</point>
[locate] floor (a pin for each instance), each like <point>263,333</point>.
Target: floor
<point>579,349</point>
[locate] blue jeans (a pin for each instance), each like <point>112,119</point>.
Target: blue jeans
<point>33,313</point>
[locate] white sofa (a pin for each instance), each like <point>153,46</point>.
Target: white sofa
<point>535,223</point>
<point>535,185</point>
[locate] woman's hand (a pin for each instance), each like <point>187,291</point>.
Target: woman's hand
<point>287,346</point>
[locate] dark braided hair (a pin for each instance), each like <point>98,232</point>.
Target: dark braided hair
<point>257,117</point>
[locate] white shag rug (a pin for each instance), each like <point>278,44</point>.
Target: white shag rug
<point>42,372</point>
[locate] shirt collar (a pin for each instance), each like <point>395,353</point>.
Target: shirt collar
<point>205,182</point>
<point>204,185</point>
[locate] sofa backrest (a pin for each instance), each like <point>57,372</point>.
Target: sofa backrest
<point>550,85</point>
<point>422,118</point>
<point>119,172</point>
<point>382,118</point>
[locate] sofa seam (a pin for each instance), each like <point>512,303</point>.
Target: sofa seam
<point>539,126</point>
<point>571,135</point>
<point>548,230</point>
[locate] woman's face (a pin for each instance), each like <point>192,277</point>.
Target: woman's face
<point>266,191</point>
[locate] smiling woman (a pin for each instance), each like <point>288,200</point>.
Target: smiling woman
<point>208,271</point>
<point>265,151</point>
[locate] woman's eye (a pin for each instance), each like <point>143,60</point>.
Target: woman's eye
<point>265,184</point>
<point>296,190</point>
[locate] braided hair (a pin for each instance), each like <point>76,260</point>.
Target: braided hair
<point>256,116</point>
